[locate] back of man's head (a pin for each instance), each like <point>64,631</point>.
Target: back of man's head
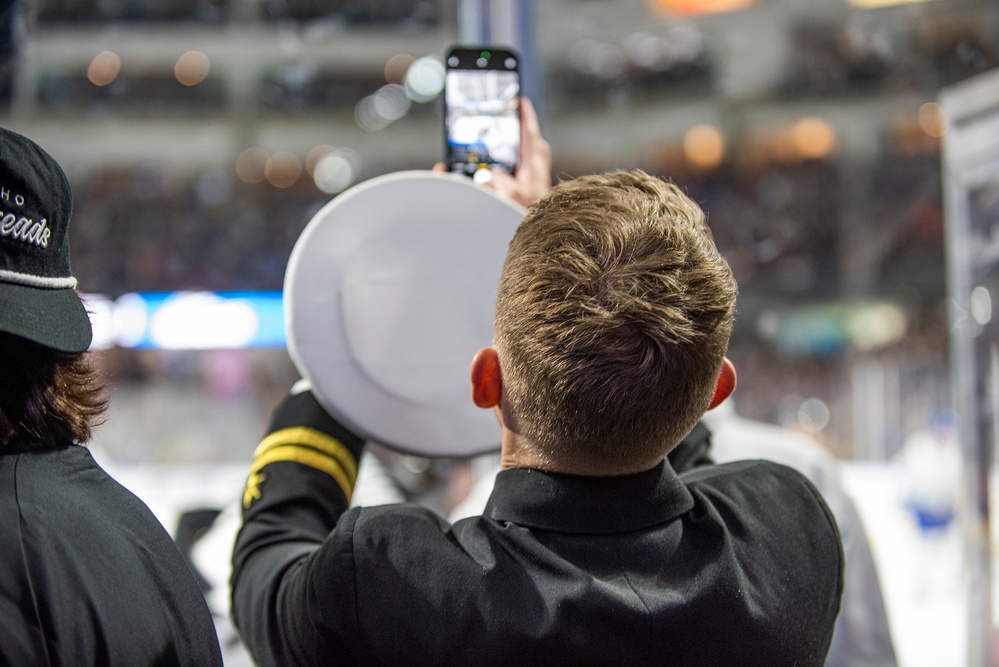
<point>613,316</point>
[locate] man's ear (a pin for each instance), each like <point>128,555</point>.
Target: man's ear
<point>726,384</point>
<point>487,381</point>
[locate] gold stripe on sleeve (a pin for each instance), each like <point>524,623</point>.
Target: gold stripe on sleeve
<point>308,447</point>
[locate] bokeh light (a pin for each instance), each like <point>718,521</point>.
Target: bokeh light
<point>336,171</point>
<point>104,68</point>
<point>129,319</point>
<point>981,305</point>
<point>813,415</point>
<point>396,68</point>
<point>931,120</point>
<point>283,169</point>
<point>813,138</point>
<point>250,165</point>
<point>875,326</point>
<point>315,155</point>
<point>366,117</point>
<point>377,111</point>
<point>192,68</point>
<point>391,102</point>
<point>704,146</point>
<point>424,79</point>
<point>698,7</point>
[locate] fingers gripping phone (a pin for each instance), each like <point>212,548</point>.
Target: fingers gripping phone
<point>482,110</point>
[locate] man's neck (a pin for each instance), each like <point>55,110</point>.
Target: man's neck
<point>516,452</point>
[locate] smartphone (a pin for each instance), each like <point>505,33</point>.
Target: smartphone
<point>481,109</point>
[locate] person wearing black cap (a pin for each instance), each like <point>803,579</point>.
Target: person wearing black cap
<point>612,319</point>
<point>90,577</point>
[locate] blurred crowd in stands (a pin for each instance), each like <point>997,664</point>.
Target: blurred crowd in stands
<point>783,229</point>
<point>833,55</point>
<point>798,233</point>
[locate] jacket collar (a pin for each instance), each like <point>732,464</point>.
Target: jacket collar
<point>577,504</point>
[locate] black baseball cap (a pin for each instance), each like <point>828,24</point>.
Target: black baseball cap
<point>38,297</point>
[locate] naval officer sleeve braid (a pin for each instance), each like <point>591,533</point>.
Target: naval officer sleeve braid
<point>301,431</point>
<point>299,486</point>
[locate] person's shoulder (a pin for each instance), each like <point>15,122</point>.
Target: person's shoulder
<point>735,470</point>
<point>765,500</point>
<point>413,524</point>
<point>407,538</point>
<point>37,468</point>
<point>757,480</point>
<point>395,518</point>
<point>32,456</point>
<point>67,486</point>
<point>72,465</point>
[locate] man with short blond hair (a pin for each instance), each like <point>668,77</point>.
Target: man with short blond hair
<point>613,314</point>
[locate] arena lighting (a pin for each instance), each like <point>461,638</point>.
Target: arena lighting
<point>336,171</point>
<point>813,138</point>
<point>250,165</point>
<point>932,121</point>
<point>367,118</point>
<point>877,4</point>
<point>696,7</point>
<point>188,320</point>
<point>315,155</point>
<point>396,68</point>
<point>387,105</point>
<point>283,169</point>
<point>104,68</point>
<point>981,305</point>
<point>424,79</point>
<point>813,415</point>
<point>704,146</point>
<point>192,68</point>
<point>830,328</point>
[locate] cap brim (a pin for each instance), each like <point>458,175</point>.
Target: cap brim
<point>55,318</point>
<point>389,292</point>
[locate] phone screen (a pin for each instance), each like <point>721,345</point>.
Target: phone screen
<point>482,110</point>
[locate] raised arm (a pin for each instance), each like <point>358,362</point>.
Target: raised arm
<point>300,483</point>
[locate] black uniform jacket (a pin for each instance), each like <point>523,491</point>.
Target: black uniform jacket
<point>88,576</point>
<point>737,564</point>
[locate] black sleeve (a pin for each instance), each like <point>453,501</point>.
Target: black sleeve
<point>299,484</point>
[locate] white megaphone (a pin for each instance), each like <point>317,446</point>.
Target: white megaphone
<point>389,292</point>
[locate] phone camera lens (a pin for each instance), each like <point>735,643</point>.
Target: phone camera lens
<point>511,63</point>
<point>481,62</point>
<point>453,61</point>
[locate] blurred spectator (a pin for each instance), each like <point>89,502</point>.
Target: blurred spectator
<point>931,459</point>
<point>931,467</point>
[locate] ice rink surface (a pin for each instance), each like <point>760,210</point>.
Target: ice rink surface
<point>921,573</point>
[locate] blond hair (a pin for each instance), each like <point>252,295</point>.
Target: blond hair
<point>613,315</point>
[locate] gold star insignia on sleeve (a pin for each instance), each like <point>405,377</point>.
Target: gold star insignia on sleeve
<point>252,491</point>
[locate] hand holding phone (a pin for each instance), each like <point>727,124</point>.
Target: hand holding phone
<point>534,173</point>
<point>482,110</point>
